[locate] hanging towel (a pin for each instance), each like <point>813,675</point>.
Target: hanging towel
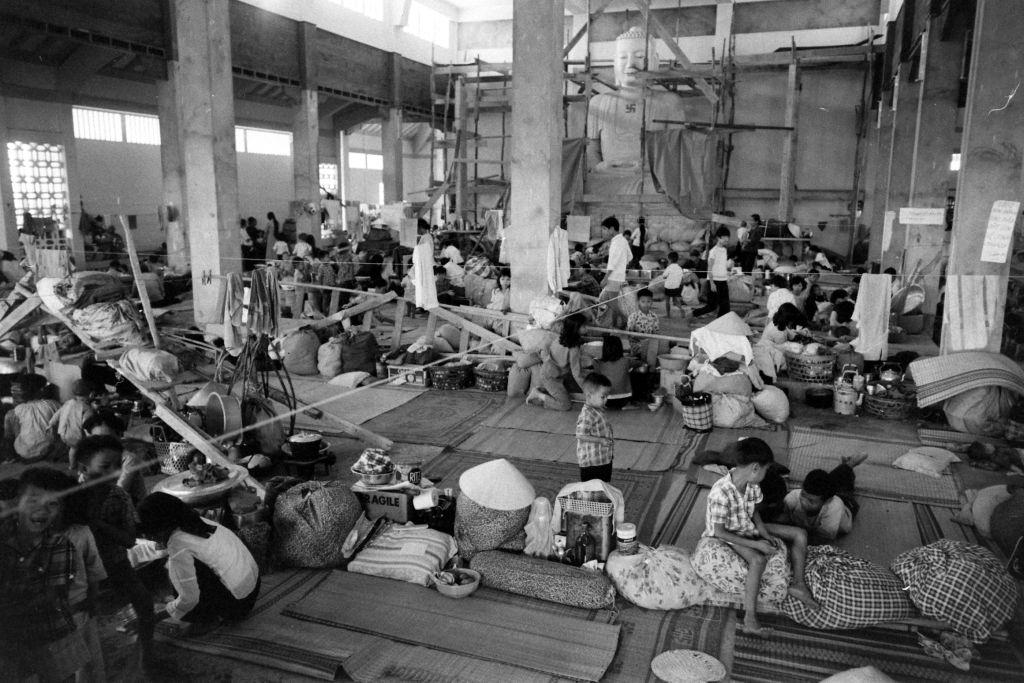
<point>234,328</point>
<point>971,301</point>
<point>423,273</point>
<point>871,313</point>
<point>558,260</point>
<point>264,304</point>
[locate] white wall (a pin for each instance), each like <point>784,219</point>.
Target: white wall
<point>264,184</point>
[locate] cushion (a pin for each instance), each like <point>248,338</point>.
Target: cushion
<point>718,564</point>
<point>545,580</point>
<point>980,505</point>
<point>927,460</point>
<point>311,520</point>
<point>656,578</point>
<point>406,553</point>
<point>772,404</point>
<point>479,528</point>
<point>962,584</point>
<point>852,592</point>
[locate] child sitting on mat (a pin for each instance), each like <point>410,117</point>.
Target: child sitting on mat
<point>825,506</point>
<point>731,517</point>
<point>595,445</point>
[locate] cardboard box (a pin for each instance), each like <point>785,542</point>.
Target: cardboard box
<point>395,505</point>
<point>416,375</point>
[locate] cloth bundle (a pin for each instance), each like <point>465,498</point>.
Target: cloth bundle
<point>723,568</point>
<point>311,520</point>
<point>657,578</point>
<point>149,365</point>
<point>409,553</point>
<point>373,461</point>
<point>116,323</point>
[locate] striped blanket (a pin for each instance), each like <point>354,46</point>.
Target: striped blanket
<point>942,377</point>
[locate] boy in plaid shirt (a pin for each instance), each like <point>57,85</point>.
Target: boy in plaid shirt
<point>595,446</point>
<point>732,517</point>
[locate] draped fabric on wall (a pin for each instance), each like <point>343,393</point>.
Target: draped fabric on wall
<point>573,163</point>
<point>682,166</point>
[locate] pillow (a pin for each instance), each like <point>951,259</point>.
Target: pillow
<point>722,567</point>
<point>545,580</point>
<point>406,553</point>
<point>927,460</point>
<point>964,585</point>
<point>656,578</point>
<point>349,380</point>
<point>852,592</point>
<point>979,506</point>
<point>772,404</point>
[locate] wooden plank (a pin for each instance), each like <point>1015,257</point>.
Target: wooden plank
<point>332,308</point>
<point>464,341</point>
<point>353,310</point>
<point>583,29</point>
<point>484,334</point>
<point>133,257</point>
<point>20,312</point>
<point>703,85</point>
<point>396,335</point>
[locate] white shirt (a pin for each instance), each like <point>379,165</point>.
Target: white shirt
<point>777,298</point>
<point>673,276</point>
<point>302,249</point>
<point>822,260</point>
<point>619,255</point>
<point>718,260</point>
<point>281,248</point>
<point>222,552</point>
<point>452,252</point>
<point>834,519</point>
<point>456,273</point>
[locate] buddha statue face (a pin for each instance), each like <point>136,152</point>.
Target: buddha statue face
<point>630,49</point>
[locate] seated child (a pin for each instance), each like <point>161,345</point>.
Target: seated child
<point>614,365</point>
<point>578,257</point>
<point>456,273</point>
<point>69,421</point>
<point>27,435</point>
<point>595,444</point>
<point>645,321</point>
<point>731,517</point>
<point>825,507</point>
<point>841,322</point>
<point>112,520</point>
<point>673,274</point>
<point>133,459</point>
<point>501,296</point>
<point>584,283</point>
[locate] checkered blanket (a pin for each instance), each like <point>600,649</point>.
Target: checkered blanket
<point>852,592</point>
<point>964,585</point>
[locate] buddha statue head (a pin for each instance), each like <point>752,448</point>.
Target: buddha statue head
<point>630,49</point>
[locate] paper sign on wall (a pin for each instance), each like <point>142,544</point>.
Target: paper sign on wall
<point>890,217</point>
<point>912,215</point>
<point>578,228</point>
<point>999,234</point>
<point>407,232</point>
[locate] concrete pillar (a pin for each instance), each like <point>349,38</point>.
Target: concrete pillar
<point>993,137</point>
<point>937,138</point>
<point>787,180</point>
<point>391,147</point>
<point>878,188</point>
<point>173,177</point>
<point>901,160</point>
<point>305,160</point>
<point>205,117</point>
<point>76,241</point>
<point>537,27</point>
<point>8,221</point>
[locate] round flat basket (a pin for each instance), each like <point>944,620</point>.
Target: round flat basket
<point>685,666</point>
<point>488,379</point>
<point>814,369</point>
<point>451,377</point>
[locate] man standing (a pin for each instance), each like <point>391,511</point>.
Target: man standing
<point>619,254</point>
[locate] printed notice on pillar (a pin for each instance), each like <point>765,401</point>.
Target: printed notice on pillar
<point>912,215</point>
<point>578,228</point>
<point>999,234</point>
<point>890,218</point>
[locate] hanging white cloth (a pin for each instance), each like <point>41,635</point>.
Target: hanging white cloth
<point>423,273</point>
<point>558,260</point>
<point>871,313</point>
<point>971,301</point>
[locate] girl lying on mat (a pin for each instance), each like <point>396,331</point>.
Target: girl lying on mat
<point>213,573</point>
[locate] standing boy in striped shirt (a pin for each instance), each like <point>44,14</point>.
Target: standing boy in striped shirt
<point>595,445</point>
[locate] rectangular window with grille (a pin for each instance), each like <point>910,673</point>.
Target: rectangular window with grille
<point>39,184</point>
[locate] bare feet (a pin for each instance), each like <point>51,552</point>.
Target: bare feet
<point>536,398</point>
<point>854,460</point>
<point>803,595</point>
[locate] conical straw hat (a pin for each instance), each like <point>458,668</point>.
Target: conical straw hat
<point>497,485</point>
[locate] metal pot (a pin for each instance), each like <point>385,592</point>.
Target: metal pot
<point>223,415</point>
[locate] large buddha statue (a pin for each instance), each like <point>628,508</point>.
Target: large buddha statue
<point>614,119</point>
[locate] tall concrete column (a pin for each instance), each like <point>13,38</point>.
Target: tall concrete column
<point>537,27</point>
<point>878,187</point>
<point>991,149</point>
<point>305,160</point>
<point>205,116</point>
<point>936,140</point>
<point>391,147</point>
<point>8,221</point>
<point>76,240</point>
<point>787,176</point>
<point>306,135</point>
<point>173,172</point>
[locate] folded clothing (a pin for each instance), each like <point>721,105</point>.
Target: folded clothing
<point>545,580</point>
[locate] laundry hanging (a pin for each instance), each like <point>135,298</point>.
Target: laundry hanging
<point>264,305</point>
<point>971,302</point>
<point>423,273</point>
<point>558,260</point>
<point>871,313</point>
<point>235,330</point>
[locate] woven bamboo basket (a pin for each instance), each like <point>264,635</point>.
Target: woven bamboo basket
<point>491,380</point>
<point>814,369</point>
<point>888,408</point>
<point>451,377</point>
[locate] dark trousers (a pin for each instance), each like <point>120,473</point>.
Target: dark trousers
<point>126,582</point>
<point>216,601</point>
<point>843,481</point>
<point>718,298</point>
<point>602,472</point>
